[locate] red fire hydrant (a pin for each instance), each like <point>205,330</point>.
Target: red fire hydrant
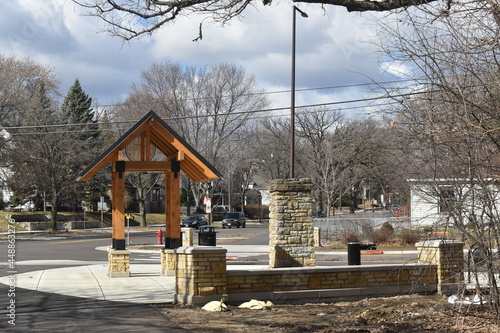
<point>159,233</point>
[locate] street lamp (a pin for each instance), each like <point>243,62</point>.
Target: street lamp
<point>292,108</point>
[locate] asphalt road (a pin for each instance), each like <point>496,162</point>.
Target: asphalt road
<point>34,252</point>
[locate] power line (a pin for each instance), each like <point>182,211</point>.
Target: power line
<point>297,90</point>
<point>206,115</point>
<point>279,91</point>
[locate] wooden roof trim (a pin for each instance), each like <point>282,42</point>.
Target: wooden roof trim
<point>158,130</point>
<point>176,143</point>
<point>190,154</point>
<point>195,171</point>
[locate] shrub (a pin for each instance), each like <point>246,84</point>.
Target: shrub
<point>408,237</point>
<point>388,226</point>
<point>381,235</point>
<point>350,237</point>
<point>255,211</point>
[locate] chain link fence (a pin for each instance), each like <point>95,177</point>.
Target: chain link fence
<point>361,224</point>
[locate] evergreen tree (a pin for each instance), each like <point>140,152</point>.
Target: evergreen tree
<point>77,109</point>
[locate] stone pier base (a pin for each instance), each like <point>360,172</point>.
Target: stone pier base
<point>118,263</point>
<point>168,262</point>
<point>201,274</point>
<point>187,237</point>
<point>448,255</point>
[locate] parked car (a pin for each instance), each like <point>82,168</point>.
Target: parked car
<point>319,214</point>
<point>233,219</point>
<point>218,213</point>
<point>194,221</point>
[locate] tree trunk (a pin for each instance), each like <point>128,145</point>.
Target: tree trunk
<point>354,202</point>
<point>188,200</point>
<point>53,213</point>
<point>142,212</point>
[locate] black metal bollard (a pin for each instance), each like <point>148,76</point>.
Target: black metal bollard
<point>354,253</point>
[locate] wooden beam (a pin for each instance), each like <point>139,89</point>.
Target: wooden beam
<point>178,156</point>
<point>118,212</point>
<point>191,162</point>
<point>148,144</point>
<point>172,211</point>
<point>140,166</point>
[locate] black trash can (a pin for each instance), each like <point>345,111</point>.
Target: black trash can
<point>207,236</point>
<point>354,252</point>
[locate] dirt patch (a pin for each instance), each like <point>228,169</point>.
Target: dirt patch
<point>412,313</point>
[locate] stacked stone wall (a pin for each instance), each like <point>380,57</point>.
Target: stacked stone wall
<point>202,276</point>
<point>293,279</point>
<point>71,225</point>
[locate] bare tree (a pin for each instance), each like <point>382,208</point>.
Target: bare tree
<point>317,128</point>
<point>206,106</point>
<point>129,19</point>
<point>273,142</point>
<point>365,158</point>
<point>19,83</point>
<point>452,124</point>
<point>144,183</point>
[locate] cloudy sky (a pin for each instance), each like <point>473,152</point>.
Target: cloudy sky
<point>334,49</point>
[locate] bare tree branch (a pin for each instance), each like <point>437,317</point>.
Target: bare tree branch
<point>129,19</point>
<point>366,5</point>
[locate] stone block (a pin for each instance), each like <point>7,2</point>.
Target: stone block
<point>119,263</point>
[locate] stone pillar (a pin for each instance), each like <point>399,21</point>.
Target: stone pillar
<point>317,236</point>
<point>201,275</point>
<point>187,237</point>
<point>291,231</point>
<point>168,262</point>
<point>118,263</point>
<point>448,255</point>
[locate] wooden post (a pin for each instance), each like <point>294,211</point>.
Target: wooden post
<point>172,210</point>
<point>118,213</point>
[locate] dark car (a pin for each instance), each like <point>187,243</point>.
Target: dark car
<point>218,213</point>
<point>319,214</point>
<point>234,219</point>
<point>194,221</point>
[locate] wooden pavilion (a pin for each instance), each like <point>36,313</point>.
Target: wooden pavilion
<point>137,151</point>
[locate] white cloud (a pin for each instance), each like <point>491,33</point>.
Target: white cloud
<point>334,48</point>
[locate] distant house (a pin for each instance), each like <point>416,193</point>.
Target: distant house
<point>5,173</point>
<point>432,200</point>
<point>154,203</point>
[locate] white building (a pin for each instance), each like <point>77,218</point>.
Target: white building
<point>437,201</point>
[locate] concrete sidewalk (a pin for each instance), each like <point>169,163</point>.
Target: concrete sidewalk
<point>145,285</point>
<point>91,280</point>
